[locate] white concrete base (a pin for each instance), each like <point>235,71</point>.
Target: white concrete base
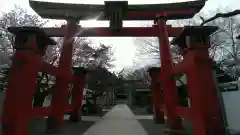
<point>118,121</point>
<point>232,109</point>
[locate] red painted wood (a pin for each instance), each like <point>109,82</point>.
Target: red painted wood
<point>169,13</point>
<point>157,96</point>
<point>184,112</point>
<point>69,108</point>
<point>21,88</point>
<point>60,94</point>
<point>213,107</point>
<point>107,32</point>
<point>169,85</point>
<point>84,11</point>
<point>77,97</point>
<point>162,107</point>
<point>40,112</point>
<point>53,70</point>
<point>205,105</point>
<point>49,69</point>
<point>181,66</point>
<point>205,114</point>
<point>197,96</point>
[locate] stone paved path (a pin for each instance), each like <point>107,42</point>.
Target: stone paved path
<point>118,121</point>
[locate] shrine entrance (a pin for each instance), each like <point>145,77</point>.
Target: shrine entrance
<point>193,41</point>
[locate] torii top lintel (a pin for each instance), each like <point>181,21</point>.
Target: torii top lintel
<point>181,10</point>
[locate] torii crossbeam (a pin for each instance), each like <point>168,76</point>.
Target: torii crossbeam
<point>116,12</point>
<point>183,10</point>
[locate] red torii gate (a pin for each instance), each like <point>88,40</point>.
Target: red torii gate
<point>204,112</point>
<point>31,45</point>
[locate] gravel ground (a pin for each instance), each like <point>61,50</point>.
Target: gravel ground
<point>147,122</point>
<point>38,126</point>
<point>157,129</point>
<point>74,128</point>
<point>151,127</point>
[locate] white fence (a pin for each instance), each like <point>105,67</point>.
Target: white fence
<point>232,108</point>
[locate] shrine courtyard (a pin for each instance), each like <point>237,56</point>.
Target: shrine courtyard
<point>120,120</point>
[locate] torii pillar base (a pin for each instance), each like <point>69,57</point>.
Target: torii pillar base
<point>157,95</point>
<point>30,45</point>
<point>77,94</point>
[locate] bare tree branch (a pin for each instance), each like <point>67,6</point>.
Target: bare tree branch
<point>218,15</point>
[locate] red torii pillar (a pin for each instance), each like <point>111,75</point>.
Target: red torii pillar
<point>77,93</point>
<point>202,62</point>
<point>157,95</point>
<point>30,45</point>
<point>169,85</point>
<point>59,96</point>
<point>205,105</point>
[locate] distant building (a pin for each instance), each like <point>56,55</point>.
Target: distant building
<point>86,94</point>
<point>142,92</point>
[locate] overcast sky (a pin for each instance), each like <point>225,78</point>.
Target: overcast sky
<point>125,48</point>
